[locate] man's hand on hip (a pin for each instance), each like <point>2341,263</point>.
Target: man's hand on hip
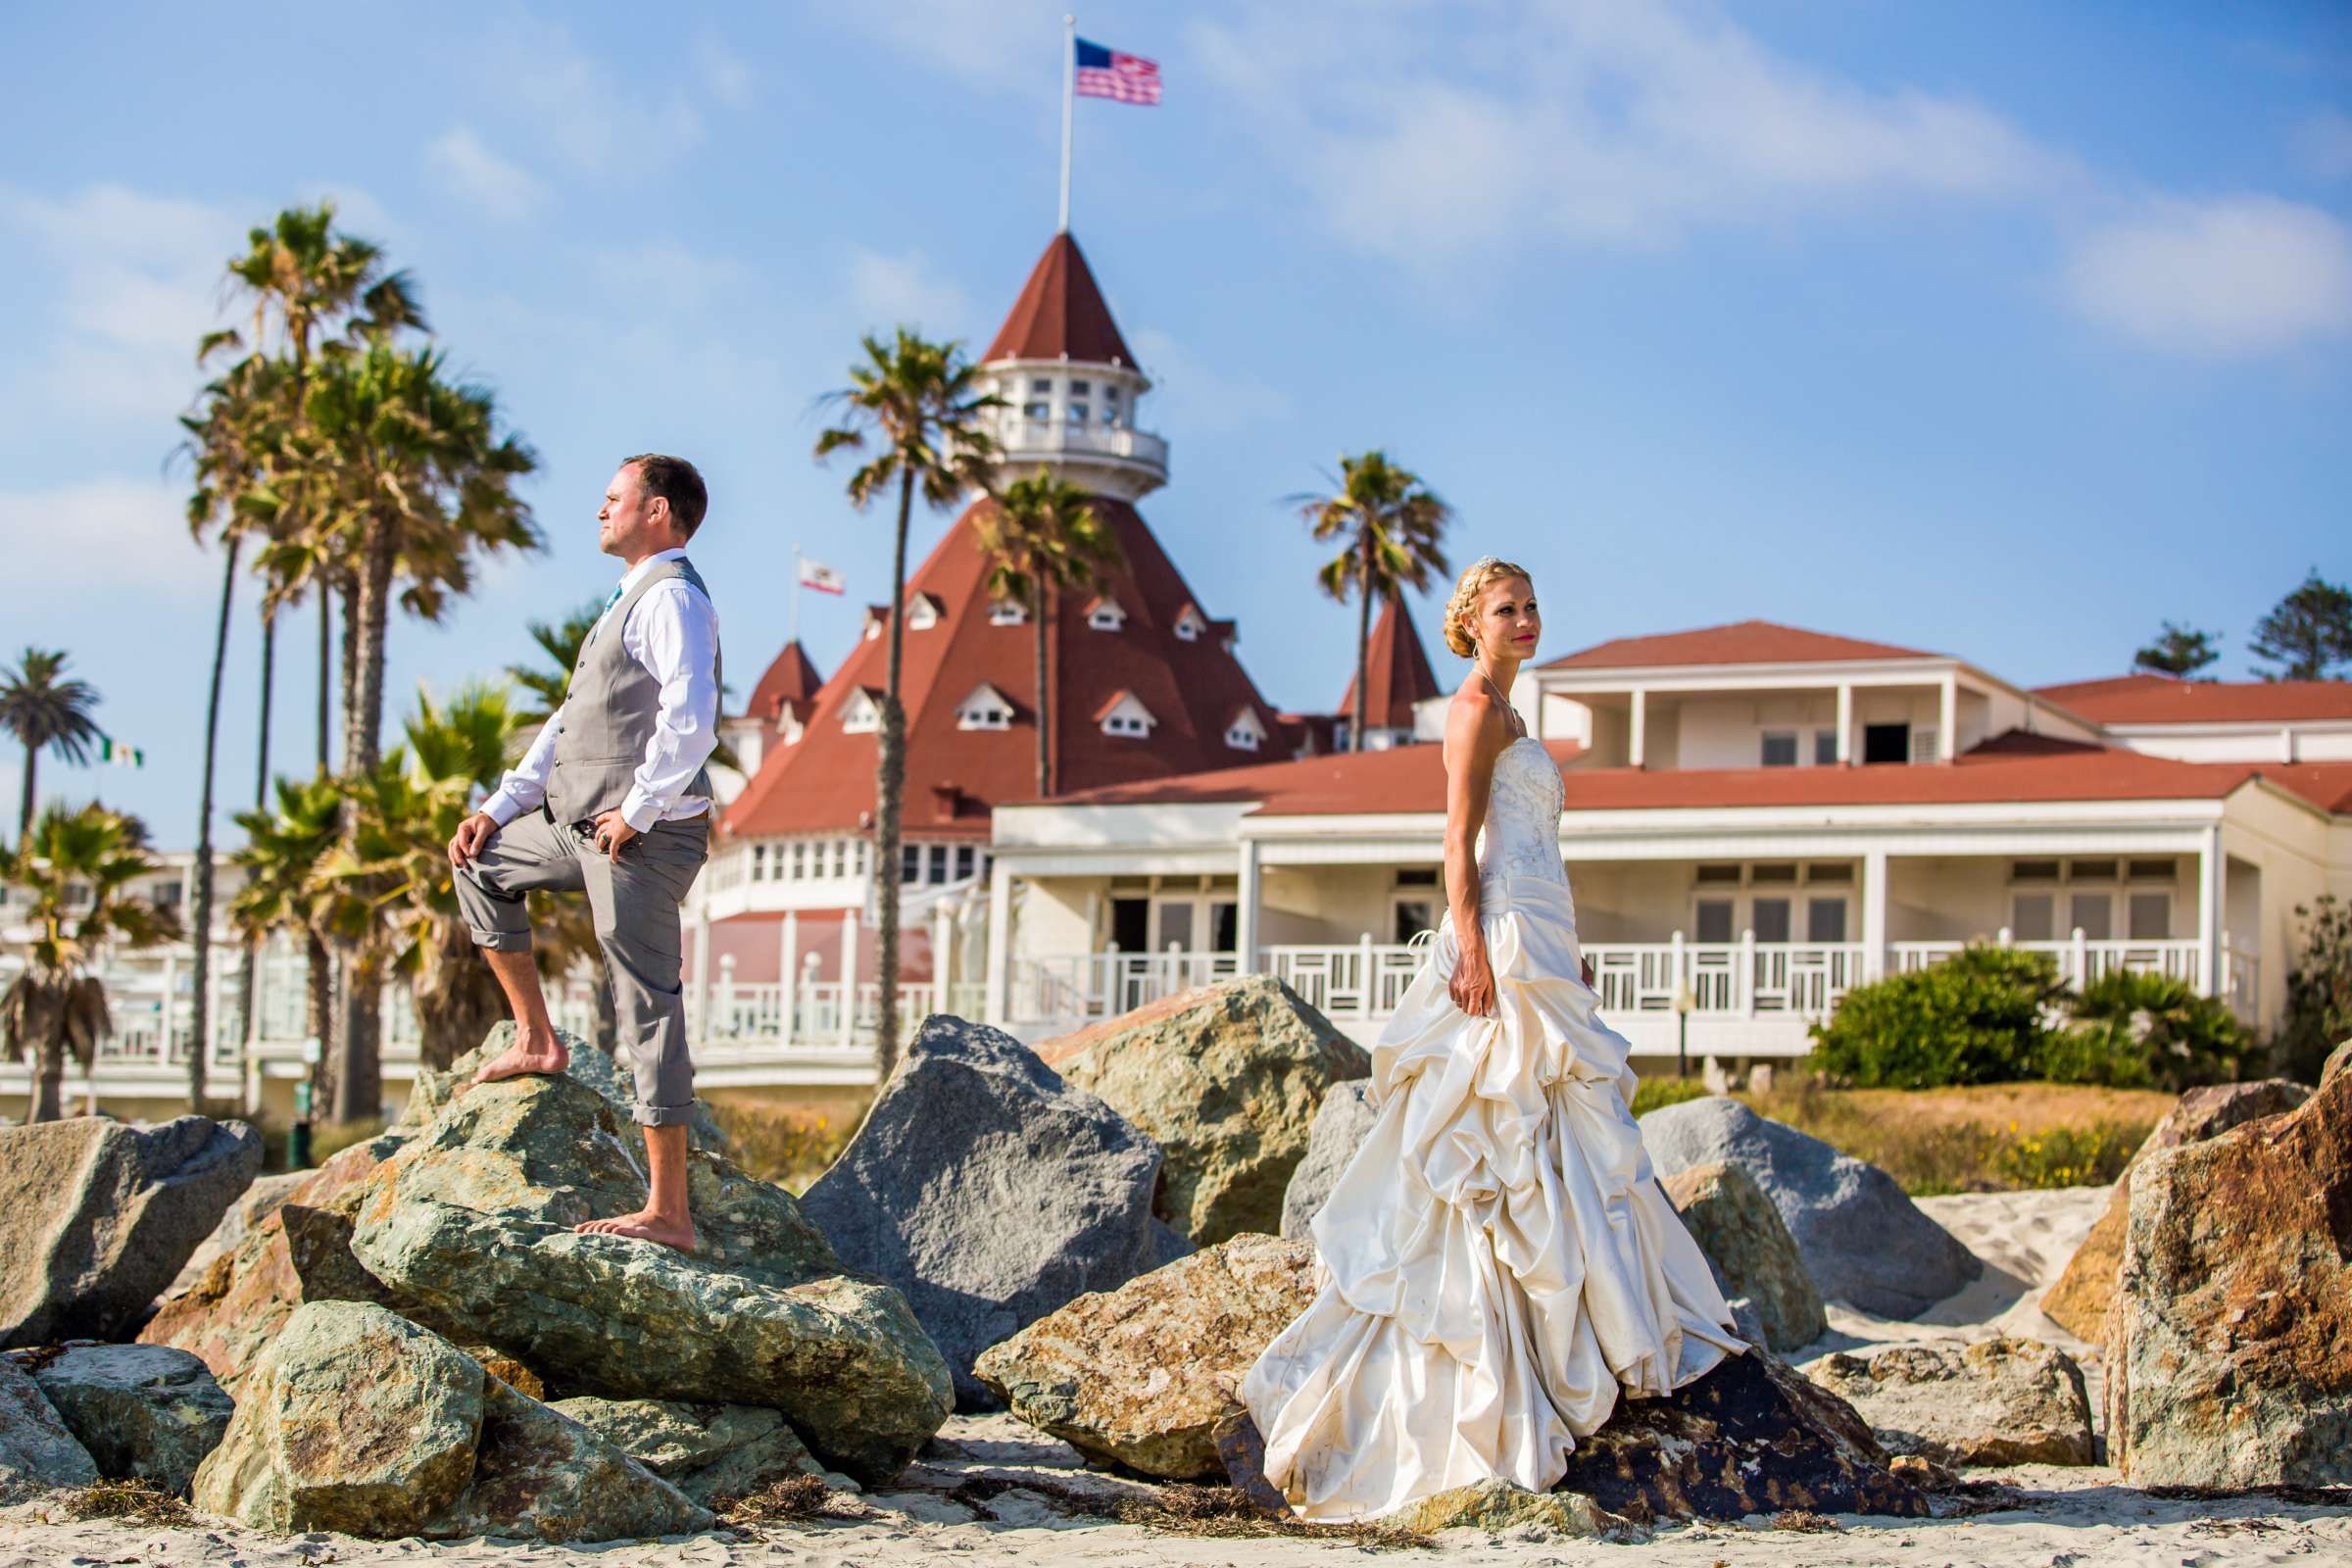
<point>471,834</point>
<point>612,830</point>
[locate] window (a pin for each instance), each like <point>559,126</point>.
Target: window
<point>935,864</point>
<point>2090,871</point>
<point>1125,725</point>
<point>1925,746</point>
<point>2033,916</point>
<point>964,855</point>
<point>1779,749</point>
<point>841,857</point>
<point>1189,625</point>
<point>1414,916</point>
<point>1224,926</point>
<point>1775,874</point>
<point>911,862</point>
<point>1714,919</point>
<point>1037,412</point>
<point>1885,743</point>
<point>1042,386</point>
<point>1080,389</point>
<point>758,862</point>
<point>1825,919</point>
<point>1825,748</point>
<point>2092,914</point>
<point>165,893</point>
<point>2151,916</point>
<point>1007,613</point>
<point>1770,918</point>
<point>922,613</point>
<point>1417,876</point>
<point>1836,872</point>
<point>800,859</point>
<point>985,709</point>
<point>1105,615</point>
<point>1245,733</point>
<point>862,715</point>
<point>2034,870</point>
<point>1110,397</point>
<point>1718,874</point>
<point>2152,870</point>
<point>1079,412</point>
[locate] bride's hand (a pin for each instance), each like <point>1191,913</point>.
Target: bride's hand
<point>1472,985</point>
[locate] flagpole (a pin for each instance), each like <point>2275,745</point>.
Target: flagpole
<point>795,593</point>
<point>1069,93</point>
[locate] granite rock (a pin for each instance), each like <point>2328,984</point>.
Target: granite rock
<point>37,1448</point>
<point>1750,1250</point>
<point>145,1412</point>
<point>1341,1123</point>
<point>1997,1401</point>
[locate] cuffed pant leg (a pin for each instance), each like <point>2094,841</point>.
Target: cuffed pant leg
<point>528,853</point>
<point>636,903</point>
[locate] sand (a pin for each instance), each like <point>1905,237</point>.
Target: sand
<point>2047,1516</point>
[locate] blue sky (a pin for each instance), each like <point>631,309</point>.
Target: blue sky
<point>2007,329</point>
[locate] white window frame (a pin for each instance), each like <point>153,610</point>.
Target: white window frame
<point>1189,626</point>
<point>921,613</point>
<point>1245,733</point>
<point>860,715</point>
<point>1009,612</point>
<point>984,708</point>
<point>1107,616</point>
<point>1124,724</point>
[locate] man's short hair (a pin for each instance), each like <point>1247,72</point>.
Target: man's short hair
<point>676,481</point>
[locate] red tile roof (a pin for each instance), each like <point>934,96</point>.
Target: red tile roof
<point>790,682</point>
<point>1411,779</point>
<point>1742,642</point>
<point>2150,699</point>
<point>1397,669</point>
<point>825,783</point>
<point>1060,315</point>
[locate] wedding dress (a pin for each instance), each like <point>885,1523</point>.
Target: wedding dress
<point>1496,1264</point>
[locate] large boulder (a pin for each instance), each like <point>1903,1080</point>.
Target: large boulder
<point>1498,1507</point>
<point>255,1205</point>
<point>145,1412</point>
<point>299,1252</point>
<point>434,1090</point>
<point>96,1218</point>
<point>361,1422</point>
<point>1226,1080</point>
<point>469,1226</point>
<point>2079,1301</point>
<point>1137,1376</point>
<point>2229,1352</point>
<point>711,1452</point>
<point>1341,1124</point>
<point>37,1448</point>
<point>990,1193</point>
<point>1997,1401</point>
<point>1750,1250</point>
<point>1863,1241</point>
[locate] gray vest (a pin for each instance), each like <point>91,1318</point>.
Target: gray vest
<point>608,710</point>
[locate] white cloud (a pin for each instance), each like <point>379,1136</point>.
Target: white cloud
<point>490,182</point>
<point>1195,399</point>
<point>1615,125</point>
<point>2323,142</point>
<point>2233,275</point>
<point>727,74</point>
<point>903,289</point>
<point>592,116</point>
<point>105,537</point>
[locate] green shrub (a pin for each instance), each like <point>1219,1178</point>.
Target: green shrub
<point>2145,1031</point>
<point>1652,1092</point>
<point>2319,992</point>
<point>1974,1019</point>
<point>791,1147</point>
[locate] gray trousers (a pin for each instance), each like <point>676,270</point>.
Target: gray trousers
<point>635,901</point>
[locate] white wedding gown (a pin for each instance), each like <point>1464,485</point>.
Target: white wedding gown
<point>1495,1264</point>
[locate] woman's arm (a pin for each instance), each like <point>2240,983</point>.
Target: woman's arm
<point>1475,735</point>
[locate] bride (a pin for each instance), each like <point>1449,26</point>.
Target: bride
<point>1495,1264</point>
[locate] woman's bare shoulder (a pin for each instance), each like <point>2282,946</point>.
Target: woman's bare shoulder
<point>1475,720</point>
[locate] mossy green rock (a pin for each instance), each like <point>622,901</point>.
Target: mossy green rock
<point>1227,1080</point>
<point>434,1091</point>
<point>711,1452</point>
<point>471,1224</point>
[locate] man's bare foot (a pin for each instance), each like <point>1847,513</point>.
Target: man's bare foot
<point>646,1226</point>
<point>529,1053</point>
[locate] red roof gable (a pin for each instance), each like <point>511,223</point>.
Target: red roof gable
<point>790,682</point>
<point>1060,315</point>
<point>2152,698</point>
<point>1396,671</point>
<point>825,783</point>
<point>1742,642</point>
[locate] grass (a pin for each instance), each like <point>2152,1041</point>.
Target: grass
<point>790,1147</point>
<point>1985,1138</point>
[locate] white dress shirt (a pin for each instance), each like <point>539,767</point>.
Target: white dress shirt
<point>673,632</point>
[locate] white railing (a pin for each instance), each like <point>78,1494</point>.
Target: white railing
<point>1364,981</point>
<point>2079,960</point>
<point>1022,437</point>
<point>1103,984</point>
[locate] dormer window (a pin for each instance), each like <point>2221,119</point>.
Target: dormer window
<point>1246,733</point>
<point>876,617</point>
<point>1105,615</point>
<point>1126,717</point>
<point>862,715</point>
<point>1007,613</point>
<point>1189,624</point>
<point>922,611</point>
<point>1040,413</point>
<point>985,709</point>
<point>1110,405</point>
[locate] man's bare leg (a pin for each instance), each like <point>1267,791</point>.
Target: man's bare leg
<point>663,1218</point>
<point>537,1047</point>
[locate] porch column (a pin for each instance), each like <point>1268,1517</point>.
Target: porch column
<point>788,979</point>
<point>943,940</point>
<point>1845,724</point>
<point>170,1017</point>
<point>1245,918</point>
<point>1874,915</point>
<point>849,978</point>
<point>2209,868</point>
<point>1000,939</point>
<point>1947,718</point>
<point>1636,736</point>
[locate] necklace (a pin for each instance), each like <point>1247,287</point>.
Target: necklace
<point>1517,729</point>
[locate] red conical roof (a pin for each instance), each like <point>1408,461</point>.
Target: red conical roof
<point>1396,671</point>
<point>790,682</point>
<point>1060,313</point>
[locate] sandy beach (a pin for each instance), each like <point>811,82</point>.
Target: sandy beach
<point>991,1491</point>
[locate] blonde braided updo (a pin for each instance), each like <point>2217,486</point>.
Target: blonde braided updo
<point>1461,610</point>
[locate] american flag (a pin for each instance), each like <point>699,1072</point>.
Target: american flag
<point>1108,73</point>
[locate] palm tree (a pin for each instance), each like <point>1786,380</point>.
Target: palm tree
<point>1389,525</point>
<point>1041,538</point>
<point>57,1008</point>
<point>917,400</point>
<point>42,707</point>
<point>283,849</point>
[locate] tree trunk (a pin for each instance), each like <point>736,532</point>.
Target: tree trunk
<point>326,626</point>
<point>319,984</point>
<point>49,1077</point>
<point>460,1004</point>
<point>1363,645</point>
<point>889,785</point>
<point>358,1067</point>
<point>25,804</point>
<point>1044,707</point>
<point>249,956</point>
<point>200,924</point>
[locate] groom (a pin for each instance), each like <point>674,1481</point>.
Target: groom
<point>612,800</point>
